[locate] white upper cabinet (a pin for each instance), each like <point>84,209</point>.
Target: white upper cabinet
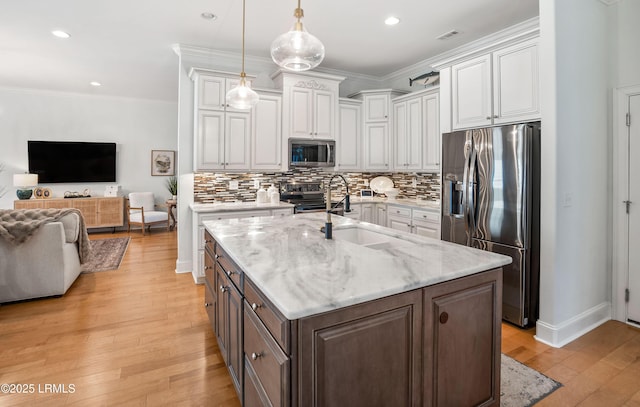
<point>223,135</point>
<point>212,92</point>
<point>501,87</point>
<point>237,140</point>
<point>471,89</point>
<point>376,107</point>
<point>310,104</point>
<point>416,131</point>
<point>349,141</point>
<point>516,88</point>
<point>266,132</point>
<point>377,122</point>
<point>408,134</point>
<point>312,113</point>
<point>431,128</point>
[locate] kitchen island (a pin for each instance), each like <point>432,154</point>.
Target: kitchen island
<point>371,317</point>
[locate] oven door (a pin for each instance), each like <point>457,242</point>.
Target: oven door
<point>311,153</point>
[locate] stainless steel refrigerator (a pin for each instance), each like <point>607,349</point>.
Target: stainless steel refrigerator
<point>491,201</point>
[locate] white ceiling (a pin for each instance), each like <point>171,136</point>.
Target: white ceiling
<point>126,44</point>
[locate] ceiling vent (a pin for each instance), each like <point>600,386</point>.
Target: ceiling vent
<point>447,35</point>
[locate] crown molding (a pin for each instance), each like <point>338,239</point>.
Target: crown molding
<point>527,29</point>
<point>519,32</point>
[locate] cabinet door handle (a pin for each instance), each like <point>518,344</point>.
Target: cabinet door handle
<point>256,356</point>
<point>223,288</point>
<point>217,256</point>
<point>255,306</point>
<point>231,272</point>
<point>208,267</point>
<point>444,317</point>
<point>495,116</point>
<point>488,117</point>
<point>208,240</point>
<point>208,304</point>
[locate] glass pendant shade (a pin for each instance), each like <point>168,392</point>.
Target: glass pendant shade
<point>242,96</point>
<point>297,50</point>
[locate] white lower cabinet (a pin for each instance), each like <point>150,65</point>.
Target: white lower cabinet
<point>368,212</point>
<point>399,218</point>
<point>413,220</point>
<point>381,214</point>
<point>425,223</point>
<point>199,236</point>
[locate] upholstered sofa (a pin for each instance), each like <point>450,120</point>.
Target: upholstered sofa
<point>46,264</point>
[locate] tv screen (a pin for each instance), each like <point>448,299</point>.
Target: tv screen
<point>72,161</point>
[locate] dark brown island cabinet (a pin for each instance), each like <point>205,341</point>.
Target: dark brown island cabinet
<point>435,346</point>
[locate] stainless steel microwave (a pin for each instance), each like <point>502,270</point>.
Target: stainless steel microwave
<point>312,153</point>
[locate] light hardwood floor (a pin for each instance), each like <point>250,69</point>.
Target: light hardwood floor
<point>139,336</point>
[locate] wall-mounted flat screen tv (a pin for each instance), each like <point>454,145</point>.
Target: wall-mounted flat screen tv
<point>72,161</point>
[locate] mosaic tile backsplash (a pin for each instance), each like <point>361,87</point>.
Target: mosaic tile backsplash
<point>214,187</point>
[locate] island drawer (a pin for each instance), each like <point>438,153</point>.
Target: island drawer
<point>210,303</point>
<point>209,242</point>
<point>209,269</point>
<point>275,322</point>
<point>266,366</point>
<point>234,272</point>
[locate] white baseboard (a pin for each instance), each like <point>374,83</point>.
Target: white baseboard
<point>565,332</point>
<point>183,266</point>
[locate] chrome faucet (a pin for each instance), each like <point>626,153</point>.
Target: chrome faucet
<point>328,226</point>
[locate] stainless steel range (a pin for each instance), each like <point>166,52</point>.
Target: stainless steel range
<point>306,196</point>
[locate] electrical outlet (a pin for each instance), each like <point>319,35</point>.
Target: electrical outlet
<point>233,185</point>
<point>256,183</point>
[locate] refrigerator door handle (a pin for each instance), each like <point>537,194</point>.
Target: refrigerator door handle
<point>465,186</point>
<point>472,185</point>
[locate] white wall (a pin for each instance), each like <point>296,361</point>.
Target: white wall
<point>628,32</point>
<point>575,266</point>
<point>137,126</point>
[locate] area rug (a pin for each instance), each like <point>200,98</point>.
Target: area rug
<point>521,386</point>
<point>106,254</point>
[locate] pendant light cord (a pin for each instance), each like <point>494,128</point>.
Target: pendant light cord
<point>243,18</point>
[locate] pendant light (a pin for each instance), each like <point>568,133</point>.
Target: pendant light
<point>242,96</point>
<point>297,50</point>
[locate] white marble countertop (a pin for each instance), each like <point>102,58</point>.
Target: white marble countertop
<point>304,274</point>
<point>236,206</point>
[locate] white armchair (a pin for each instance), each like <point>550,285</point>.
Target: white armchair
<point>141,211</point>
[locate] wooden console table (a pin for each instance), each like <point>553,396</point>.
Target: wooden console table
<point>99,212</point>
<point>171,204</point>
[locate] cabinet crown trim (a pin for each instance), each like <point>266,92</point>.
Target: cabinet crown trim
<point>312,84</point>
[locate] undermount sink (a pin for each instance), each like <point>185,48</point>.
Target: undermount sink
<point>369,238</point>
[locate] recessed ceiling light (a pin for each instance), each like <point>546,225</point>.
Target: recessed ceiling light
<point>392,20</point>
<point>95,83</point>
<point>208,16</point>
<point>60,34</point>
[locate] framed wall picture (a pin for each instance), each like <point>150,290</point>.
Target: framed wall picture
<point>163,162</point>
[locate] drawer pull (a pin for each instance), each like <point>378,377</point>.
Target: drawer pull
<point>207,267</point>
<point>208,304</point>
<point>444,317</point>
<point>255,306</point>
<point>208,240</point>
<point>231,272</point>
<point>256,356</point>
<point>217,256</point>
<point>223,288</point>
